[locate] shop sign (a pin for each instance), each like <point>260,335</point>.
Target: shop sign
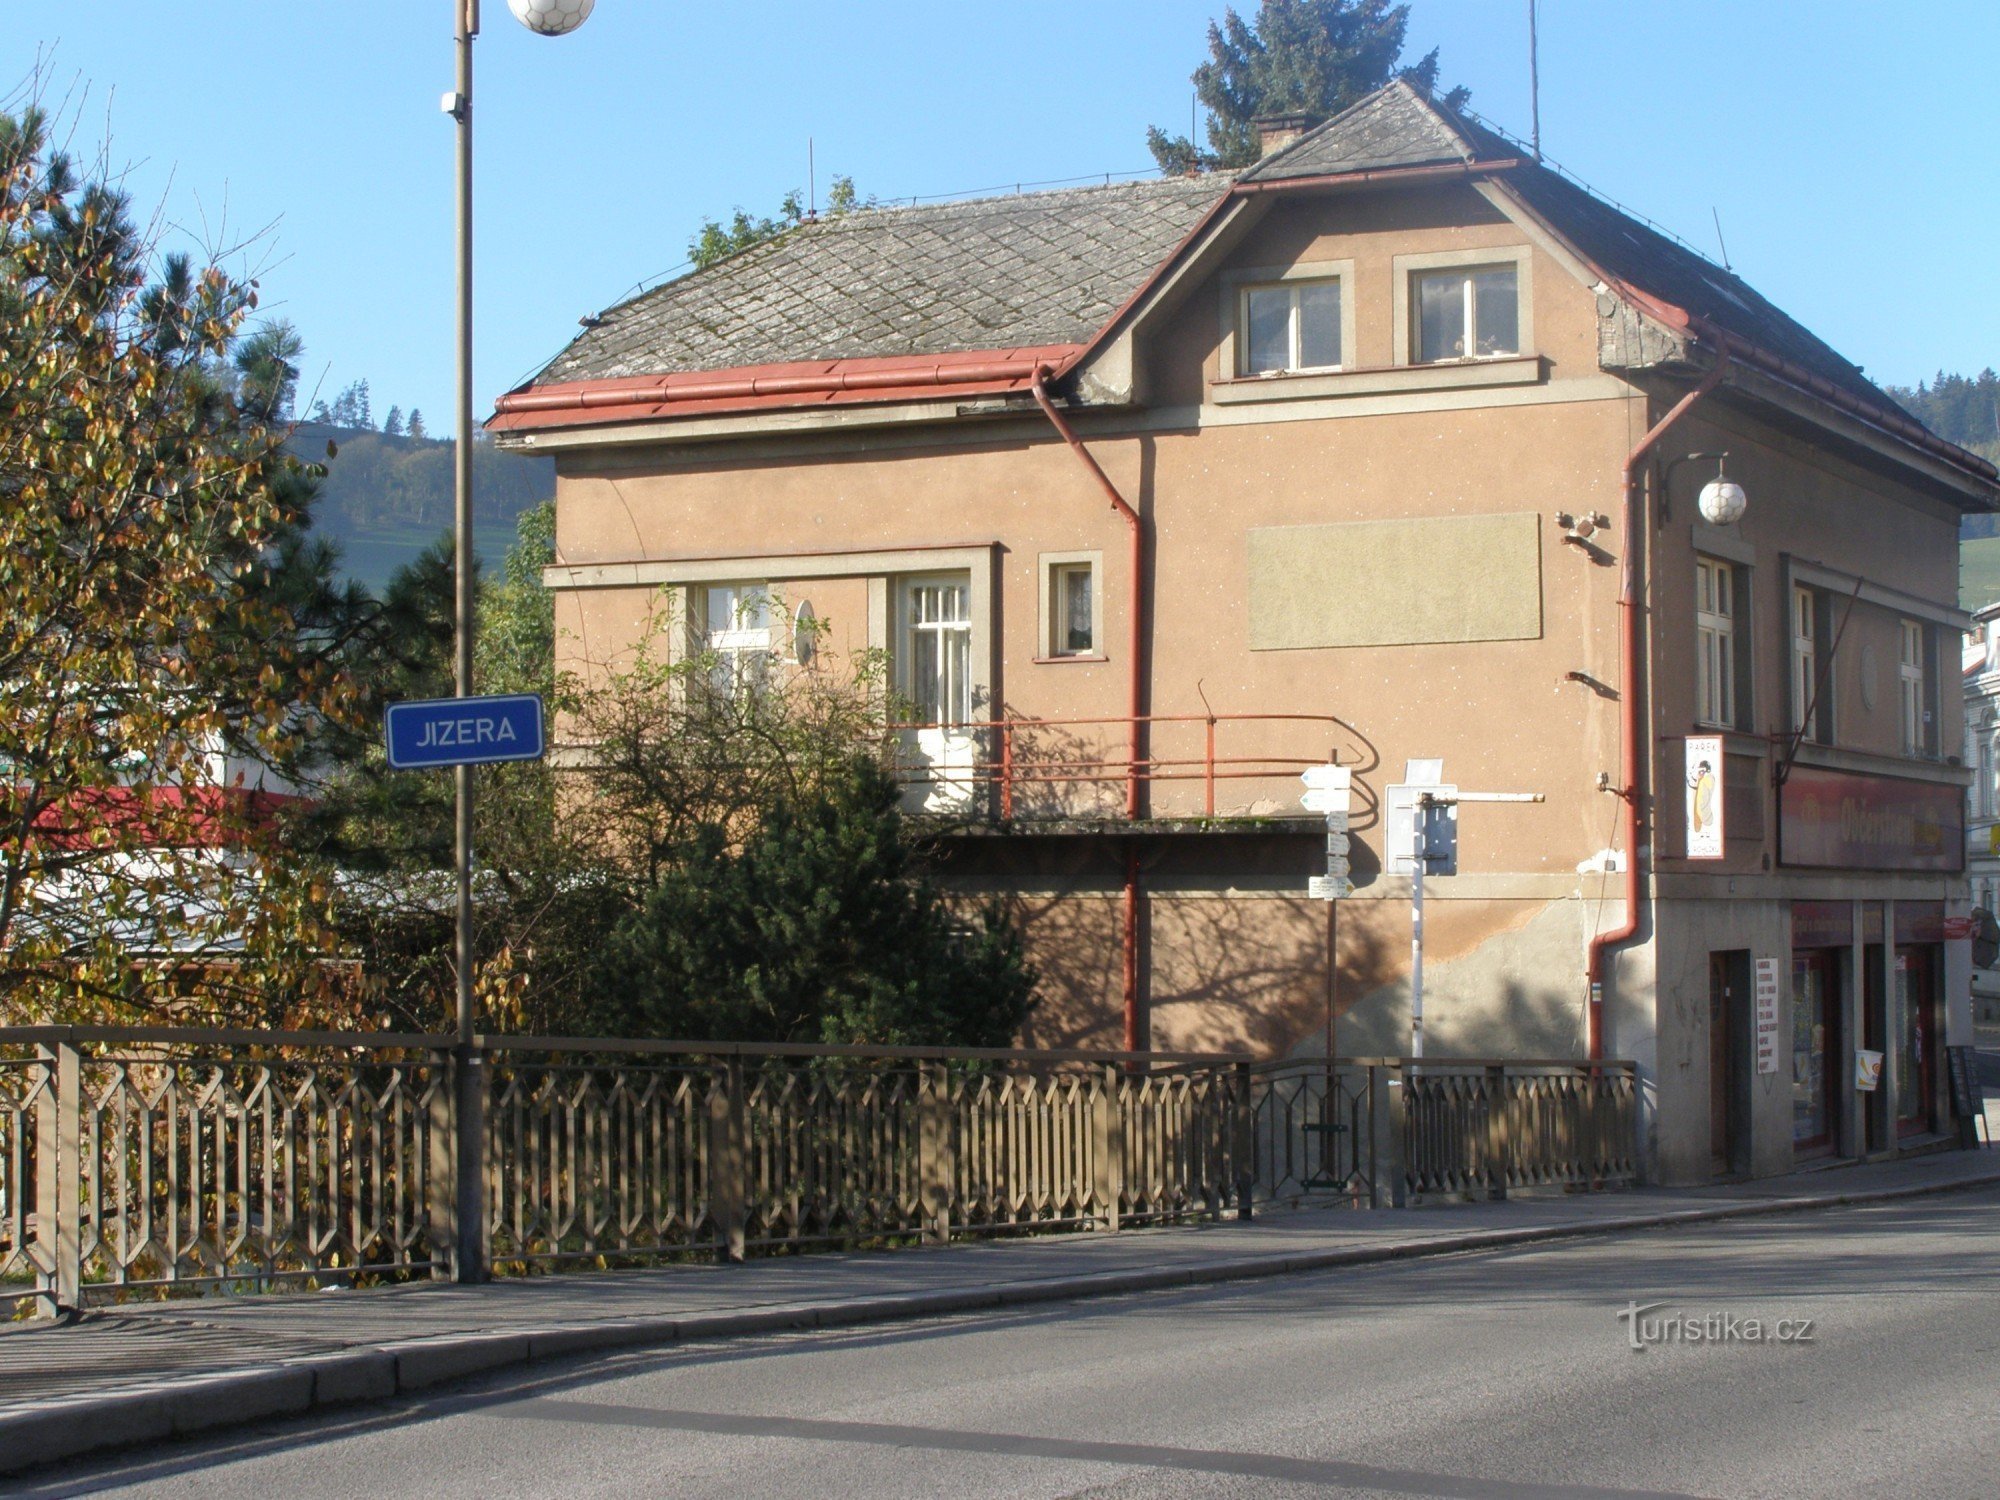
<point>1704,797</point>
<point>1840,820</point>
<point>1958,929</point>
<point>1767,1015</point>
<point>1920,922</point>
<point>1823,924</point>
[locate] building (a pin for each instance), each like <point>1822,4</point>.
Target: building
<point>1399,434</point>
<point>1981,670</point>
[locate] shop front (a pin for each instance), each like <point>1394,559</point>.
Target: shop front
<point>1822,950</point>
<point>1914,1022</point>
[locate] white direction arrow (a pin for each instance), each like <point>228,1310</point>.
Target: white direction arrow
<point>1329,789</point>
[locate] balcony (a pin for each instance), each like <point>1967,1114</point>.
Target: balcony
<point>1082,774</point>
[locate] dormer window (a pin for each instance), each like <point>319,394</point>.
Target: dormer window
<point>1289,326</point>
<point>1472,312</point>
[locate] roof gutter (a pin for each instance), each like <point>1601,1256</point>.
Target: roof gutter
<point>660,391</point>
<point>1380,174</point>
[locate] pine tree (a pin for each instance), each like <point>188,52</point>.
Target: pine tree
<point>818,927</point>
<point>392,425</point>
<point>417,431</point>
<point>363,417</point>
<point>1310,57</point>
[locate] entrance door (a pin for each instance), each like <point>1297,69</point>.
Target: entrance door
<point>1874,1027</point>
<point>1815,1050</point>
<point>1728,983</point>
<point>1915,1037</point>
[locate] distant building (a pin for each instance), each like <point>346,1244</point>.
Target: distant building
<point>1364,413</point>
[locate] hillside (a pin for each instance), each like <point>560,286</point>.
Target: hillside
<point>1978,571</point>
<point>387,498</point>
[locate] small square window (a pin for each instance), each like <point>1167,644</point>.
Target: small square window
<point>1467,314</point>
<point>1289,326</point>
<point>1072,618</point>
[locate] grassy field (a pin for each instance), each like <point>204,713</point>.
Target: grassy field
<point>1978,572</point>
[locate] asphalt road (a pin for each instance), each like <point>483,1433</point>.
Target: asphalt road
<point>1490,1375</point>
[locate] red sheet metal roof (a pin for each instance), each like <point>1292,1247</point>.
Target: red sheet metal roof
<point>805,383</point>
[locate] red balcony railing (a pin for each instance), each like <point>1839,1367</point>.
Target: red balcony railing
<point>1010,756</point>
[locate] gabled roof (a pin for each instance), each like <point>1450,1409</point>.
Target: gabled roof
<point>1031,269</point>
<point>1393,127</point>
<point>1397,128</point>
<point>973,297</point>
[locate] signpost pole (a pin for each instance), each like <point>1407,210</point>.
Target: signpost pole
<point>471,1206</point>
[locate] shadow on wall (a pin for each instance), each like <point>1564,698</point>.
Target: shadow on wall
<point>1237,973</point>
<point>1516,992</point>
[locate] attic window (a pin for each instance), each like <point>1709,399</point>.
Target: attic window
<point>1468,313</point>
<point>1289,326</point>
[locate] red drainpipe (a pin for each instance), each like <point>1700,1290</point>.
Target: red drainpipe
<point>1135,693</point>
<point>1631,704</point>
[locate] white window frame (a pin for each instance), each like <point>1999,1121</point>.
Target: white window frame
<point>1715,643</point>
<point>1985,799</point>
<point>951,690</point>
<point>1230,313</point>
<point>1295,352</point>
<point>744,652</point>
<point>1053,565</point>
<point>1406,268</point>
<point>1803,615</point>
<point>1912,681</point>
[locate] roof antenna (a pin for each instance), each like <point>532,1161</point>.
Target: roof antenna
<point>1723,244</point>
<point>812,183</point>
<point>1534,82</point>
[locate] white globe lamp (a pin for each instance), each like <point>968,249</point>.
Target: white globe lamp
<point>551,17</point>
<point>1722,502</point>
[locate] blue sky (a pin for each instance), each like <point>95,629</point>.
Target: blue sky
<point>1848,154</point>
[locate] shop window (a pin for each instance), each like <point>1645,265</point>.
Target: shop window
<point>1289,326</point>
<point>1469,313</point>
<point>934,649</point>
<point>1815,1054</point>
<point>1914,1028</point>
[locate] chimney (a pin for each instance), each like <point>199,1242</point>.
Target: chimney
<point>1275,132</point>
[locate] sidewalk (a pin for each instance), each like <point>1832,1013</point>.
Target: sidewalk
<point>143,1373</point>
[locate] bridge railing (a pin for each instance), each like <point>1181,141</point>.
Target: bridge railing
<point>164,1161</point>
<point>1387,1131</point>
<point>155,1161</point>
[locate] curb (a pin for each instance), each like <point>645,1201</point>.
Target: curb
<point>70,1427</point>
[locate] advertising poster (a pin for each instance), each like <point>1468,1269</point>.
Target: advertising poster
<point>1767,1015</point>
<point>1704,797</point>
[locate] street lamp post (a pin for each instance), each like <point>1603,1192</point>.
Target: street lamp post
<point>549,18</point>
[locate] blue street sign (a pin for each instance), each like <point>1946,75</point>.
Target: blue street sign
<point>464,731</point>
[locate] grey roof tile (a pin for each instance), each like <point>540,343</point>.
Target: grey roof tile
<point>1393,127</point>
<point>1051,268</point>
<point>992,273</point>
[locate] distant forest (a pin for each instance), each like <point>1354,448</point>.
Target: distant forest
<point>389,489</point>
<point>1962,409</point>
